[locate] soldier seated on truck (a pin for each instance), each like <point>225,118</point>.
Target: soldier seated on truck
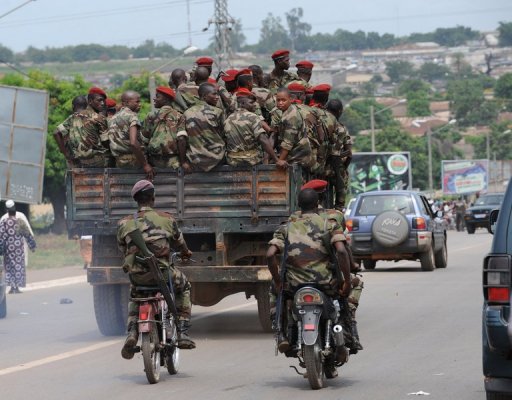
<point>164,128</point>
<point>245,136</point>
<point>124,135</point>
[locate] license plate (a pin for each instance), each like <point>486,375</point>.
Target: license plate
<point>480,215</point>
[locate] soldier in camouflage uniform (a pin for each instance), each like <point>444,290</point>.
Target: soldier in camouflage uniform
<point>165,131</point>
<point>304,72</point>
<point>263,95</point>
<point>124,135</point>
<point>279,76</point>
<point>162,235</point>
<point>83,134</point>
<point>204,123</point>
<point>292,132</point>
<point>307,258</point>
<point>189,90</point>
<point>339,161</point>
<point>177,78</point>
<point>78,104</point>
<point>245,136</point>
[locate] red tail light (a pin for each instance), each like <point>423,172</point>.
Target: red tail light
<point>349,224</point>
<point>498,294</point>
<point>308,298</point>
<point>419,223</point>
<point>144,312</point>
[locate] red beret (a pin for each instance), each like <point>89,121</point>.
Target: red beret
<point>110,103</point>
<point>296,87</point>
<point>141,186</point>
<point>309,90</point>
<point>167,91</point>
<point>97,90</point>
<point>323,87</point>
<point>318,185</point>
<point>204,61</point>
<point>212,80</point>
<point>244,92</point>
<point>305,64</point>
<point>230,75</point>
<point>245,71</point>
<point>280,53</point>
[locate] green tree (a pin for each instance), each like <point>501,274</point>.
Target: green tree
<point>431,71</point>
<point>503,88</point>
<point>399,70</point>
<point>505,31</point>
<point>468,103</point>
<point>273,35</point>
<point>500,143</point>
<point>357,116</point>
<point>6,54</point>
<point>61,94</point>
<point>297,29</point>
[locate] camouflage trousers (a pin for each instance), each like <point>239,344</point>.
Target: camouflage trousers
<point>181,287</point>
<point>127,161</point>
<point>164,161</point>
<point>98,161</point>
<point>339,179</point>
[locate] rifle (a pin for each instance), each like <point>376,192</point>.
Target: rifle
<point>151,261</point>
<point>282,275</point>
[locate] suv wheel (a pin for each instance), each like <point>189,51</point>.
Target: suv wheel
<point>498,396</point>
<point>470,228</point>
<point>369,264</point>
<point>441,256</point>
<point>427,260</point>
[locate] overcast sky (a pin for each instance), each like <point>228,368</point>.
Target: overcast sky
<point>55,23</point>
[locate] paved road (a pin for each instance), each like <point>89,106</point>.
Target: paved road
<point>421,332</point>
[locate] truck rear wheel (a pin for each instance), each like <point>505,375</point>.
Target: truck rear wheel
<point>262,295</point>
<point>108,309</point>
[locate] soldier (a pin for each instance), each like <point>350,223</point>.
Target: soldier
<point>245,81</point>
<point>164,128</point>
<point>189,91</point>
<point>245,136</point>
<point>339,156</point>
<point>204,123</point>
<point>124,135</point>
<point>110,105</point>
<point>279,76</point>
<point>229,79</point>
<point>162,235</point>
<point>178,77</point>
<point>307,258</point>
<point>78,104</point>
<point>206,62</point>
<point>292,132</point>
<point>263,96</point>
<point>84,133</point>
<point>304,72</point>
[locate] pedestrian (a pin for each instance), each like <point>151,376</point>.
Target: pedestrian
<point>13,232</point>
<point>162,236</point>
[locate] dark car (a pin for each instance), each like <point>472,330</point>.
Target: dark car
<point>3,299</point>
<point>496,321</point>
<point>396,225</point>
<point>477,216</point>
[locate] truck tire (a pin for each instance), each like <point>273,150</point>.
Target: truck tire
<point>470,228</point>
<point>390,228</point>
<point>262,295</point>
<point>427,260</point>
<point>107,309</point>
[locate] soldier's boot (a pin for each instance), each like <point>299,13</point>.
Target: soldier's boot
<point>184,340</point>
<point>355,336</point>
<point>127,352</point>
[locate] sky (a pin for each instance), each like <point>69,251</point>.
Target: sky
<point>57,23</point>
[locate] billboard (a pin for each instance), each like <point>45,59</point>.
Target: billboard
<point>464,176</point>
<point>380,171</point>
<point>23,125</point>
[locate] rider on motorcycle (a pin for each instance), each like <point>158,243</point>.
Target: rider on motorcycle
<point>161,234</point>
<point>307,258</point>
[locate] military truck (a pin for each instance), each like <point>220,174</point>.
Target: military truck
<point>227,217</point>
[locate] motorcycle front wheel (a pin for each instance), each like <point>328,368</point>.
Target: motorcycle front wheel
<point>173,360</point>
<point>151,355</point>
<point>314,365</point>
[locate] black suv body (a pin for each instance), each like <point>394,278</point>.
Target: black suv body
<point>477,216</point>
<point>496,323</point>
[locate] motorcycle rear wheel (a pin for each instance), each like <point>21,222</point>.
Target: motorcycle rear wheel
<point>151,355</point>
<point>314,365</point>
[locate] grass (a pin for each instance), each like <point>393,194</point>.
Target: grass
<point>54,251</point>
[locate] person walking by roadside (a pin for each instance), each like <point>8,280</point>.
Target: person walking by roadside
<point>19,215</point>
<point>12,233</point>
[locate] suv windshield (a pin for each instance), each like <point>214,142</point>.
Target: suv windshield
<point>373,205</point>
<point>491,199</point>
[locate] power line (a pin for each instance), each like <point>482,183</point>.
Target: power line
<point>16,8</point>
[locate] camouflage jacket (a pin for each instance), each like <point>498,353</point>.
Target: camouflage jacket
<point>300,81</point>
<point>83,133</point>
<point>160,232</point>
<point>162,128</point>
<point>119,131</point>
<point>189,93</point>
<point>293,135</point>
<point>227,101</point>
<point>265,101</point>
<point>242,130</point>
<point>204,124</point>
<point>341,140</point>
<point>316,136</point>
<point>307,258</point>
<point>283,81</point>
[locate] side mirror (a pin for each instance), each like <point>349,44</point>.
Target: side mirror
<point>493,219</point>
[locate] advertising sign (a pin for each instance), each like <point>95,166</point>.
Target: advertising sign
<point>23,124</point>
<point>380,171</point>
<point>465,176</point>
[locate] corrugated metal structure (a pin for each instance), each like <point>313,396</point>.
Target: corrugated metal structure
<point>23,126</point>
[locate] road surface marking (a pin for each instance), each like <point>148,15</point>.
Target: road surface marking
<point>55,283</point>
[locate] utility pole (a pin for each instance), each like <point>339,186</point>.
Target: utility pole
<point>223,25</point>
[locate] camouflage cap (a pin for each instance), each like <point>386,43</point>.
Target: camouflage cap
<point>141,186</point>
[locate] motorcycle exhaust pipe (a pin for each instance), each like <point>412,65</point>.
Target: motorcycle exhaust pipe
<point>338,335</point>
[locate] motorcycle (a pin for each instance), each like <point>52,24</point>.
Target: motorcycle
<point>159,333</point>
<point>316,334</point>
